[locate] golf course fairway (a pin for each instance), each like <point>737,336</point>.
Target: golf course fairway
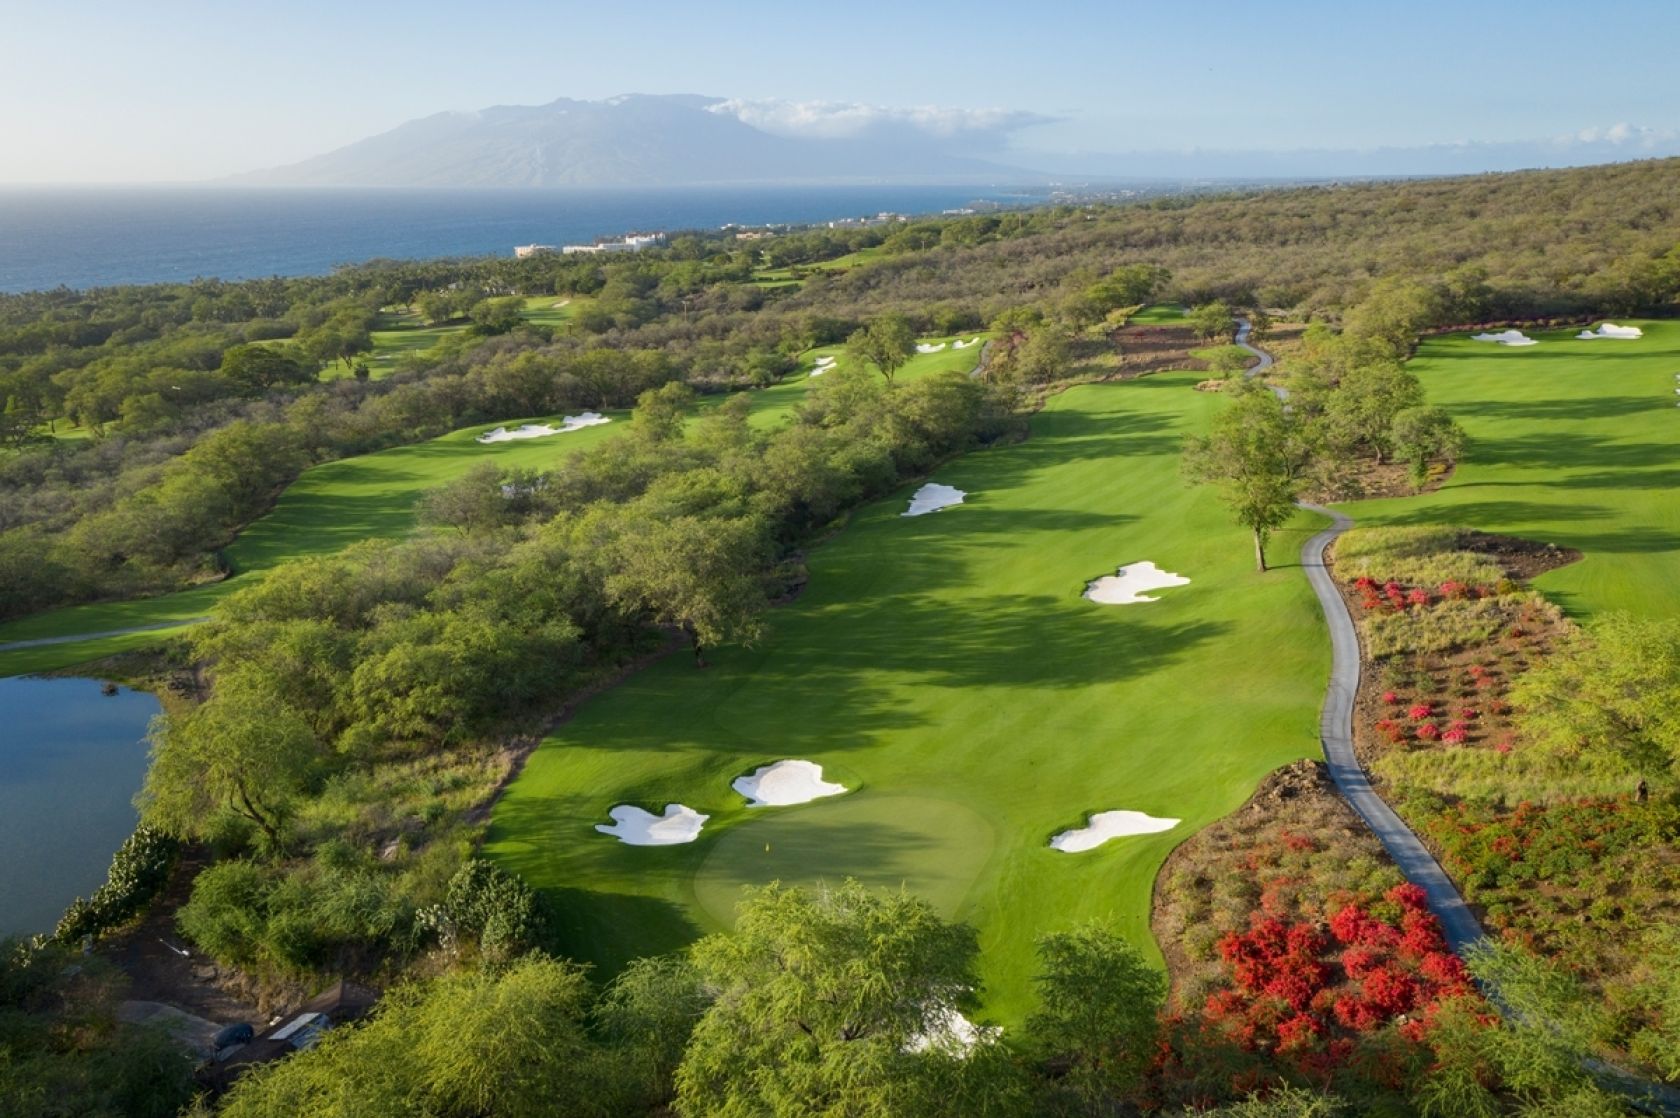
<point>1571,442</point>
<point>946,670</point>
<point>370,496</point>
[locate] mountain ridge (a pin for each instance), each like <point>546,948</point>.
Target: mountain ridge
<point>629,140</point>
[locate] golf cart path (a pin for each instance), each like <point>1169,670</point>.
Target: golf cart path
<point>1335,724</point>
<point>1335,730</point>
<point>71,638</point>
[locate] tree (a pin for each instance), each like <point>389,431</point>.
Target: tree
<point>827,1003</point>
<point>1260,326</point>
<point>887,342</point>
<point>497,316</point>
<point>699,574</point>
<point>1609,691</point>
<point>1213,320</point>
<point>1098,1016</point>
<point>1359,412</point>
<point>1256,455</point>
<point>1421,434</point>
<point>18,422</point>
<point>242,750</point>
<point>258,368</point>
<point>661,412</point>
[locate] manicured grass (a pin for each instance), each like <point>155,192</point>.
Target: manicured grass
<point>336,504</point>
<point>551,310</point>
<point>1158,314</point>
<point>947,670</point>
<point>1575,443</point>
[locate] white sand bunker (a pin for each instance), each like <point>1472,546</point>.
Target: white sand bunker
<point>960,344</point>
<point>932,497</point>
<point>1505,337</point>
<point>785,782</point>
<point>1129,584</point>
<point>928,347</point>
<point>946,1030</point>
<point>543,430</point>
<point>1105,825</point>
<point>1611,330</point>
<point>635,827</point>
<point>824,364</point>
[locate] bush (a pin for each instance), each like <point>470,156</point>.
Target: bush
<point>139,869</point>
<point>492,906</point>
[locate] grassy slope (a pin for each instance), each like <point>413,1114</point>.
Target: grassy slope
<point>1575,443</point>
<point>336,504</point>
<point>947,669</point>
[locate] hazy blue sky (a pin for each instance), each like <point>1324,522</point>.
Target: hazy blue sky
<point>178,89</point>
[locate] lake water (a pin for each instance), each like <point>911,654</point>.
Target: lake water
<point>96,236</point>
<point>71,760</point>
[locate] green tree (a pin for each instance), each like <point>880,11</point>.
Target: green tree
<point>1359,413</point>
<point>699,574</point>
<point>242,750</point>
<point>1609,692</point>
<point>887,342</point>
<point>258,368</point>
<point>1260,326</point>
<point>826,1004</point>
<point>1422,434</point>
<point>1100,1001</point>
<point>1213,320</point>
<point>1256,455</point>
<point>661,413</point>
<point>497,316</point>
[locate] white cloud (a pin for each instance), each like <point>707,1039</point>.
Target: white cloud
<point>1621,134</point>
<point>831,120</point>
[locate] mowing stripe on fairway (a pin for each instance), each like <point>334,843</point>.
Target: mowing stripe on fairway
<point>946,668</point>
<point>1571,442</point>
<point>371,496</point>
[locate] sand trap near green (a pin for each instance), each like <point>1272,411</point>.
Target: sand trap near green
<point>371,496</point>
<point>1574,442</point>
<point>884,841</point>
<point>946,670</point>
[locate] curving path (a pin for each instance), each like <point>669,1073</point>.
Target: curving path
<point>1335,730</point>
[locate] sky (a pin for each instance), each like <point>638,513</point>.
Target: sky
<point>182,90</point>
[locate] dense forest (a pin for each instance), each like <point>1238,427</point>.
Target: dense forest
<point>346,719</point>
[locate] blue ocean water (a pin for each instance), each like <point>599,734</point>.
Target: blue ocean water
<point>96,236</point>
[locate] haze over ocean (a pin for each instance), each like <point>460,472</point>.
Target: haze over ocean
<point>96,236</point>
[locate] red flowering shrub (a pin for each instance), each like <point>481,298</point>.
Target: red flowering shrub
<point>1468,714</point>
<point>1392,698</point>
<point>1428,731</point>
<point>1455,736</point>
<point>1417,596</point>
<point>1417,712</point>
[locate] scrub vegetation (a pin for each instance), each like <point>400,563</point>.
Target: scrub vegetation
<point>417,670</point>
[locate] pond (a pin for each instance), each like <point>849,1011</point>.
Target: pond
<point>71,760</point>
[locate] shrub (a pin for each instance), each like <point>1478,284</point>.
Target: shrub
<point>139,869</point>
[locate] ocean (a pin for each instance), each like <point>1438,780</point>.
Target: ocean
<point>97,236</point>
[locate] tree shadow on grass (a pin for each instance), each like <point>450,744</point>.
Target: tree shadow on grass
<point>1562,450</point>
<point>1560,410</point>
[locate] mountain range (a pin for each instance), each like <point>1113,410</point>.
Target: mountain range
<point>633,140</point>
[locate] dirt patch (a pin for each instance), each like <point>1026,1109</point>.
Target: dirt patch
<point>1522,559</point>
<point>1151,349</point>
<point>1366,479</point>
<point>150,954</point>
<point>1294,845</point>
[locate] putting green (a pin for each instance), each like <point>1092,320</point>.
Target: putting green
<point>883,841</point>
<point>947,669</point>
<point>1571,442</point>
<point>372,496</point>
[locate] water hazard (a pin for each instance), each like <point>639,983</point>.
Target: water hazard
<point>71,759</point>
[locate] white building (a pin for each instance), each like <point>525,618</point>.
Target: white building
<point>630,242</point>
<point>520,252</point>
